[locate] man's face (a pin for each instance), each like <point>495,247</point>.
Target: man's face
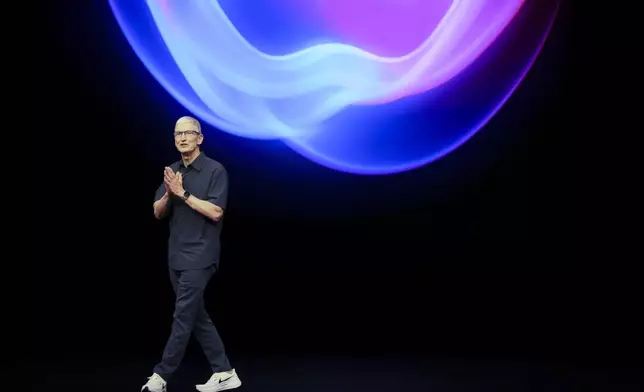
<point>187,137</point>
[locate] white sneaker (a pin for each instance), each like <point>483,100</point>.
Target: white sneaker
<point>155,384</point>
<point>220,382</point>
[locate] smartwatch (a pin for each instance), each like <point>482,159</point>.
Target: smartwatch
<point>186,195</point>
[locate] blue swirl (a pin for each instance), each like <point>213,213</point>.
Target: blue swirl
<point>313,99</point>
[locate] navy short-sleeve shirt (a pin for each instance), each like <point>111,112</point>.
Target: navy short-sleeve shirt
<point>194,238</point>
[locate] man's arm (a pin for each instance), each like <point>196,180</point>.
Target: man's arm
<point>206,208</point>
<point>161,204</point>
<point>215,204</point>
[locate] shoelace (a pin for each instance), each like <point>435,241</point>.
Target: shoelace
<point>155,379</point>
<point>219,376</point>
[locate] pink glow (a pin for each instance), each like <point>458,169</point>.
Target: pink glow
<point>382,27</point>
<point>397,27</point>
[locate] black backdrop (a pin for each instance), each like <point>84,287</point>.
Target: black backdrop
<point>412,263</point>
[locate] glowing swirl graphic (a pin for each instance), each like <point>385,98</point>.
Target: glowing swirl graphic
<point>339,103</point>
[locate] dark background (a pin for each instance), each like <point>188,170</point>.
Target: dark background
<point>314,261</point>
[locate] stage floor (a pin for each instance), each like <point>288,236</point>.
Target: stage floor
<point>300,374</point>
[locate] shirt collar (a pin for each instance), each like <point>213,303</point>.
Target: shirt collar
<point>197,163</point>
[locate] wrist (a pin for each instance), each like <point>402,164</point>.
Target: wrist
<point>183,194</point>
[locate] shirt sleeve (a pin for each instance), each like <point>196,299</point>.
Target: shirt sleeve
<point>218,189</point>
<point>159,193</point>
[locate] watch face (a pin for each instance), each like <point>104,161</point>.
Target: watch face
<point>186,194</point>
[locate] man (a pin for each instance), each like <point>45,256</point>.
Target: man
<point>193,196</point>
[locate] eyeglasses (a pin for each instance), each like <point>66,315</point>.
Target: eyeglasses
<point>178,135</point>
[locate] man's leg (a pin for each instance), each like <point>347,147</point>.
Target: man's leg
<point>189,287</point>
<point>224,377</point>
<point>210,341</point>
<point>207,335</point>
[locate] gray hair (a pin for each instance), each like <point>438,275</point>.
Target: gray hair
<point>191,120</point>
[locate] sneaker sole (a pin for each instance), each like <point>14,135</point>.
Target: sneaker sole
<point>232,385</point>
<point>147,390</point>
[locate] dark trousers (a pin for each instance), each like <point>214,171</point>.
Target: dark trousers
<point>190,317</point>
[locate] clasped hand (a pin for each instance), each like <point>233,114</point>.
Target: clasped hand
<point>173,182</point>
